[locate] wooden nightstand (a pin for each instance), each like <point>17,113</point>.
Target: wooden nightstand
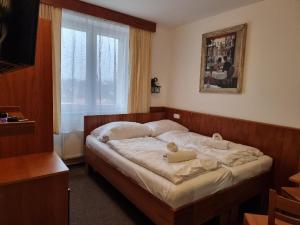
<point>34,190</point>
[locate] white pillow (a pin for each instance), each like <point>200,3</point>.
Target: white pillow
<point>162,126</point>
<point>120,130</point>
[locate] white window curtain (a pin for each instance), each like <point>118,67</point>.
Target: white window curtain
<point>94,72</point>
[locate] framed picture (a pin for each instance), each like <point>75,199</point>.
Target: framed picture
<point>222,62</point>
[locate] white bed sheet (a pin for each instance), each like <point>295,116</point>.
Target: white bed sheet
<point>250,169</point>
<point>174,195</point>
<point>239,173</point>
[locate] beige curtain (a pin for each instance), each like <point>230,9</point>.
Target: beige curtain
<point>140,71</point>
<point>54,14</point>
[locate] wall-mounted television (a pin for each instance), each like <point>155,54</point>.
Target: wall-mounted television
<point>18,31</point>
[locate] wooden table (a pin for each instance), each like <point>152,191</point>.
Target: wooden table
<point>291,192</point>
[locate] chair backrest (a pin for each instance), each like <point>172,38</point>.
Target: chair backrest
<point>284,209</point>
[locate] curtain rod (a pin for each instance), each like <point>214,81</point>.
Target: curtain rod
<point>103,13</point>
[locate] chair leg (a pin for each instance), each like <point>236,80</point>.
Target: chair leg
<point>245,221</point>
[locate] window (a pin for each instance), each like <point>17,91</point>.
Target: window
<point>94,68</point>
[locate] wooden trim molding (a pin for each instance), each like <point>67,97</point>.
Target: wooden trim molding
<point>103,13</point>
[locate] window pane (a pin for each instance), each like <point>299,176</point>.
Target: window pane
<point>94,68</point>
<point>73,67</point>
<point>107,64</point>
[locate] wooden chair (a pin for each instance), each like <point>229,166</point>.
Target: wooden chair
<point>282,211</point>
<point>291,193</point>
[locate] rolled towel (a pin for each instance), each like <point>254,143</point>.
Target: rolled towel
<point>222,145</point>
<point>172,147</point>
<point>180,156</point>
<point>217,137</point>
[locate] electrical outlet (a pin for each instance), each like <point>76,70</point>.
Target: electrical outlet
<point>176,116</point>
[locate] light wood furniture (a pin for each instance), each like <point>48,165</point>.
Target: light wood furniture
<point>282,211</point>
<point>15,128</point>
<point>31,89</point>
<point>295,178</point>
<point>33,180</point>
<point>33,190</point>
<point>223,204</point>
<point>291,192</point>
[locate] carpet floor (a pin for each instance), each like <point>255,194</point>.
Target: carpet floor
<point>93,201</point>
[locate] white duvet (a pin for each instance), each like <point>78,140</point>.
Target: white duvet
<point>236,155</point>
<point>148,152</point>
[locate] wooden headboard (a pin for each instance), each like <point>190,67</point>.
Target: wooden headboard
<point>92,122</point>
<point>281,143</point>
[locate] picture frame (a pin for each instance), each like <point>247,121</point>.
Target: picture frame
<point>222,60</point>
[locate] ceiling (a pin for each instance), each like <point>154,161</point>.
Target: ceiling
<point>172,13</point>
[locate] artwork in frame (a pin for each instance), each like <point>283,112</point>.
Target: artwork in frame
<point>222,62</point>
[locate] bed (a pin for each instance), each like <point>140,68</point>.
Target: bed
<point>213,194</point>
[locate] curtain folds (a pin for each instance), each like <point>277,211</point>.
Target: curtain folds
<point>94,74</point>
<point>54,14</point>
<point>140,71</point>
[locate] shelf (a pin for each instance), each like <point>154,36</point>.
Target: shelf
<point>15,128</point>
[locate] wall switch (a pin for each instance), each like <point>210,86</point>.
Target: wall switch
<point>176,116</point>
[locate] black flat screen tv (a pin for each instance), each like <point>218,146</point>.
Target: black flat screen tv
<point>18,31</point>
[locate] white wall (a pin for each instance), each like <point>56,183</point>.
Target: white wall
<point>161,58</point>
<point>271,87</point>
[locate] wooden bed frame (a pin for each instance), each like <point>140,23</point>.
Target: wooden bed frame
<point>223,204</point>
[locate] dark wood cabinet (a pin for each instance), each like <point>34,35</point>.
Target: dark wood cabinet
<point>34,190</point>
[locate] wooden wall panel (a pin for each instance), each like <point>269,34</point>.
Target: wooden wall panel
<point>31,89</point>
<point>281,143</point>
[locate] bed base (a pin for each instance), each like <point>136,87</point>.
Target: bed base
<point>223,204</point>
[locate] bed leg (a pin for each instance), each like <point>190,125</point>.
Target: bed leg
<point>89,169</point>
<point>264,199</point>
<point>230,216</point>
<point>234,215</point>
<point>225,218</point>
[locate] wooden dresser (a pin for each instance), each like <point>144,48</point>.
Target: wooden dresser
<point>34,190</point>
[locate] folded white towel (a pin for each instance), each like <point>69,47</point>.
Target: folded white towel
<point>180,156</point>
<point>172,147</point>
<point>222,145</point>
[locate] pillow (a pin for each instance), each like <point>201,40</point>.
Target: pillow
<point>120,130</point>
<point>162,126</point>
